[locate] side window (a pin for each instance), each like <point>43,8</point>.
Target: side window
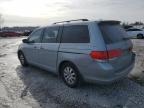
<point>134,30</point>
<point>75,34</point>
<point>50,35</point>
<point>129,30</point>
<point>138,30</point>
<point>36,36</point>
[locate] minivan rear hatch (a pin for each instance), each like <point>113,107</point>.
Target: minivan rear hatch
<point>114,37</point>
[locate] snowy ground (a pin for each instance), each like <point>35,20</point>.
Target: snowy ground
<point>138,72</point>
<point>35,88</point>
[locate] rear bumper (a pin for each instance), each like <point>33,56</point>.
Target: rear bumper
<point>107,75</point>
<point>120,76</point>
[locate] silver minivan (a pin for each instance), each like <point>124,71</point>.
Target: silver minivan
<point>80,50</point>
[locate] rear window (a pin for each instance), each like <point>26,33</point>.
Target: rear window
<point>112,33</point>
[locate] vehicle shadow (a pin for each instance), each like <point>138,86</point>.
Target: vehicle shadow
<point>49,91</point>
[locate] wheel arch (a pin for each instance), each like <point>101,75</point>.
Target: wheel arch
<point>80,77</point>
<point>139,34</point>
<point>64,62</point>
<point>18,52</point>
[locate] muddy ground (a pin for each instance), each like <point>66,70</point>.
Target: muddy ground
<point>35,88</point>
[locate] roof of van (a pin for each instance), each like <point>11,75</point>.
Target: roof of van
<point>88,21</point>
<point>84,22</point>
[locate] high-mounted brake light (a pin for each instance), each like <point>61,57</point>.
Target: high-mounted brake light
<point>104,55</point>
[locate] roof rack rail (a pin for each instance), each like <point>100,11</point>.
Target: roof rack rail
<point>71,21</point>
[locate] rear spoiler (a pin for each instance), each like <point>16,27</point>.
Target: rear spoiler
<point>109,22</point>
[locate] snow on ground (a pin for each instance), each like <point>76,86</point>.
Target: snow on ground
<point>35,88</point>
<point>138,72</point>
<point>138,42</point>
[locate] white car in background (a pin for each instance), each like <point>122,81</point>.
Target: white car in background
<point>134,32</point>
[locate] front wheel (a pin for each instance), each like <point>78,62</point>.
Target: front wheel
<point>70,75</point>
<point>140,36</point>
<point>22,59</point>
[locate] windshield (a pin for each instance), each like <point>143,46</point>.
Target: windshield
<point>112,33</point>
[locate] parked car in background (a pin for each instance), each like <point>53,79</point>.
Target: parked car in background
<point>27,33</point>
<point>0,33</point>
<point>134,32</point>
<point>92,51</point>
<point>9,34</point>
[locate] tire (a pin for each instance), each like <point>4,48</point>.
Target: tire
<point>140,36</point>
<point>22,59</point>
<point>70,75</point>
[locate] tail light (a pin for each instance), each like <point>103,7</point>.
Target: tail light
<point>104,55</point>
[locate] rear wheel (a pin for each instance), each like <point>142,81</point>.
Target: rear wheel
<point>140,36</point>
<point>22,59</point>
<point>70,75</point>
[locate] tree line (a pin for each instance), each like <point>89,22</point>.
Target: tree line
<point>124,24</point>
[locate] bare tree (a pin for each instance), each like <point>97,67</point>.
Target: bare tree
<point>1,21</point>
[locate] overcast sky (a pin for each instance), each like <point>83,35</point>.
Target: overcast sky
<point>43,12</point>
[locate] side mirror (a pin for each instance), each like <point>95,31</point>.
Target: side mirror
<point>25,41</point>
